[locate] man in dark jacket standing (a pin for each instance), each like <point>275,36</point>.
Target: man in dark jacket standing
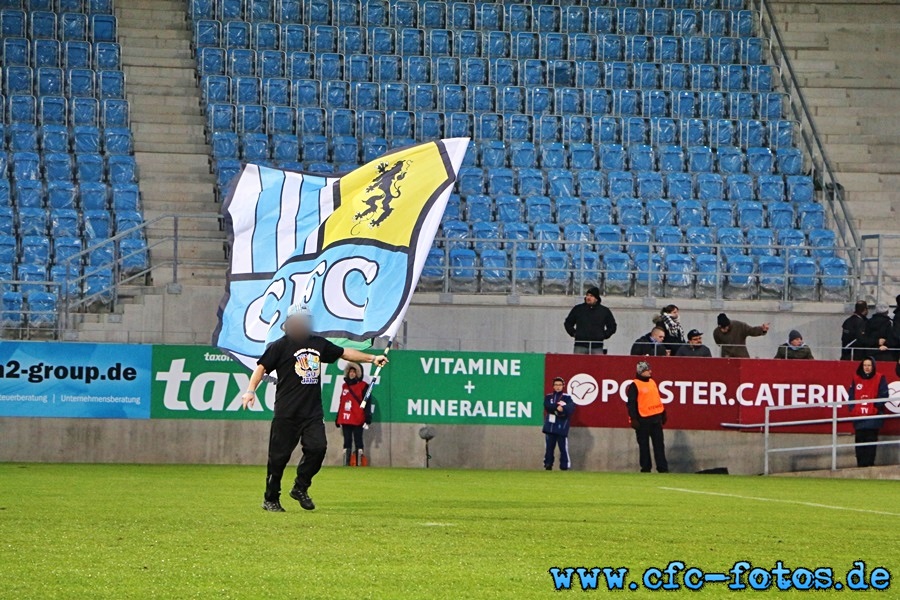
<point>853,331</point>
<point>879,336</point>
<point>647,415</point>
<point>590,323</point>
<point>558,409</point>
<point>732,336</point>
<point>897,318</point>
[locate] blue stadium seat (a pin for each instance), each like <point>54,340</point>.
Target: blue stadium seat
<point>125,197</point>
<point>781,215</point>
<point>32,221</point>
<point>591,183</point>
<point>96,225</point>
<point>679,274</point>
<point>53,111</point>
<point>621,185</point>
<point>61,194</point>
<point>741,278</point>
<point>89,167</point>
<point>599,210</point>
<point>823,242</point>
<point>617,270</point>
<point>800,189</point>
<point>638,239</point>
<point>530,182</point>
<point>568,211</point>
<point>812,216</point>
<point>54,138</point>
<point>556,272</point>
<point>791,242</point>
<point>649,185</point>
<point>630,211</point>
<point>772,276</point>
<point>495,271</point>
<point>803,278</point>
<point>761,241</point>
<point>749,214</point>
<point>98,285</point>
<point>561,182</point>
<point>835,279</point>
<point>463,275</point>
<point>64,222</point>
<point>35,250</point>
<point>671,159</point>
<point>525,271</point>
<point>710,186</point>
<point>538,209</point>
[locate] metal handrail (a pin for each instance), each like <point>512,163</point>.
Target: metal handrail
<point>822,168</point>
<point>834,420</point>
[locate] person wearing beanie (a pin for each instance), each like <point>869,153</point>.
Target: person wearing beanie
<point>731,336</point>
<point>352,418</point>
<point>867,384</point>
<point>590,324</point>
<point>695,347</point>
<point>853,330</point>
<point>879,339</point>
<point>794,348</point>
<point>668,321</point>
<point>647,416</point>
<point>558,410</point>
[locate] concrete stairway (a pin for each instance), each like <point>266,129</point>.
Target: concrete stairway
<point>844,54</point>
<point>168,126</point>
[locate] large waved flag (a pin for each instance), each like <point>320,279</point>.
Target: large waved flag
<point>350,247</point>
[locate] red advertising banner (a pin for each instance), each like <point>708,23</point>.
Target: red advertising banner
<point>704,393</point>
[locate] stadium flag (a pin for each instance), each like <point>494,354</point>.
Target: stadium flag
<point>350,247</point>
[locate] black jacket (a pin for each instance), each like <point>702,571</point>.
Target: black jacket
<point>645,346</point>
<point>700,351</point>
<point>588,323</point>
<point>853,331</point>
<point>878,327</point>
<point>897,322</point>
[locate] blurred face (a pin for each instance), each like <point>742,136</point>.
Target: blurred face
<point>725,329</point>
<point>352,374</point>
<point>797,342</point>
<point>696,340</point>
<point>297,328</point>
<point>674,313</point>
<point>589,300</point>
<point>646,373</point>
<point>558,386</point>
<point>868,366</point>
<point>657,335</point>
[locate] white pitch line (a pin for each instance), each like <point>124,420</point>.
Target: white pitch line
<point>812,504</point>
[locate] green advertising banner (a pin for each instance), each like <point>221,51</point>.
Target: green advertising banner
<point>467,388</point>
<point>200,382</point>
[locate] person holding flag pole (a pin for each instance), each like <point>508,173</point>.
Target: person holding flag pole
<point>297,358</point>
<point>348,249</point>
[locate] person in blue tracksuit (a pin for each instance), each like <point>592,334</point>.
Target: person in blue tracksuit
<point>558,410</point>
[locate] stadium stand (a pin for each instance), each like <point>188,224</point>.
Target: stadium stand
<point>66,158</point>
<point>620,119</point>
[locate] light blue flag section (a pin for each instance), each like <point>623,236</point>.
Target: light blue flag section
<point>350,248</point>
<point>97,381</point>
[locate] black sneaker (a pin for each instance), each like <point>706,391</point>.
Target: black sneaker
<point>300,495</point>
<point>548,467</point>
<point>272,506</point>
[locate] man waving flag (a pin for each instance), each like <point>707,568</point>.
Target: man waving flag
<point>349,248</point>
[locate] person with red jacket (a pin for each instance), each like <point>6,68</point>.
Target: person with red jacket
<point>867,385</point>
<point>351,417</point>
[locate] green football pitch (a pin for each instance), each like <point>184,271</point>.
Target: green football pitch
<point>105,531</point>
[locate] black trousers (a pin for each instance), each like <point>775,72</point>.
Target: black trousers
<point>647,431</point>
<point>286,432</point>
<point>865,455</point>
<point>353,435</point>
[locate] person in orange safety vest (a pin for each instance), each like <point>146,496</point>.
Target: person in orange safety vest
<point>647,415</point>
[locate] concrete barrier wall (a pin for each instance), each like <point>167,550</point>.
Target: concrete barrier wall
<point>398,445</point>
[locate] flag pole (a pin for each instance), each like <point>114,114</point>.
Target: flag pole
<point>375,375</point>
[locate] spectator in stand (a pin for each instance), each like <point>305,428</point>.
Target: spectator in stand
<point>867,385</point>
<point>897,318</point>
<point>879,336</point>
<point>591,324</point>
<point>647,416</point>
<point>794,348</point>
<point>695,346</point>
<point>650,344</point>
<point>732,336</point>
<point>853,330</point>
<point>667,320</point>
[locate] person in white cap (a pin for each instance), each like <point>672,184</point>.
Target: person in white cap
<point>297,358</point>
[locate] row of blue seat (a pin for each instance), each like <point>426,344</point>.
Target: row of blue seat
<point>676,79</point>
<point>654,212</point>
<point>741,277</point>
<point>680,16</point>
<point>71,83</point>
<point>64,27</point>
<point>20,52</point>
<point>58,110</point>
<point>533,102</point>
<point>24,138</point>
<point>471,43</point>
<point>40,311</point>
<point>516,129</point>
<point>91,7</point>
<point>63,195</point>
<point>757,241</point>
